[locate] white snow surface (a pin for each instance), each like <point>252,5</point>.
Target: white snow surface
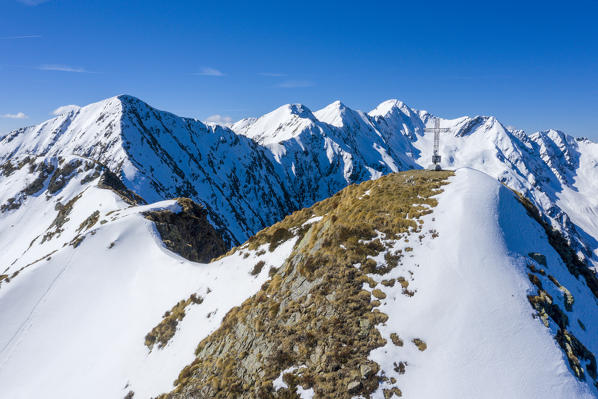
<point>470,304</point>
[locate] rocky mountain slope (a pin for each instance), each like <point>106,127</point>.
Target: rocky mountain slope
<point>374,292</point>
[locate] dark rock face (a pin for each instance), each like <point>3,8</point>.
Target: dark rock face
<point>188,233</point>
<point>111,181</point>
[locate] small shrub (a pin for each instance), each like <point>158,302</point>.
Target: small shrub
<point>257,268</point>
<point>394,337</point>
<point>421,345</point>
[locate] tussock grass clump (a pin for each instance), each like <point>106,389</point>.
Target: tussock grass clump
<point>394,337</point>
<point>569,300</point>
<point>314,313</point>
<point>257,268</point>
<point>379,294</point>
<point>164,331</point>
<point>421,345</point>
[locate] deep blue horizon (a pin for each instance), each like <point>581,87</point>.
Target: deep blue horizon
<point>534,66</point>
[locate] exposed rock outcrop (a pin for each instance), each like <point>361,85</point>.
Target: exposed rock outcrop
<point>188,232</point>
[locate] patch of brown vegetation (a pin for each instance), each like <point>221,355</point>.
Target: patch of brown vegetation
<point>61,218</point>
<point>421,345</point>
<point>536,270</point>
<point>575,351</point>
<point>392,392</point>
<point>394,337</point>
<point>89,222</point>
<point>5,278</point>
<point>569,300</point>
<point>257,268</point>
<point>164,331</point>
<point>379,294</point>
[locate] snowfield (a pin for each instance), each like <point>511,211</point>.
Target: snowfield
<point>471,306</point>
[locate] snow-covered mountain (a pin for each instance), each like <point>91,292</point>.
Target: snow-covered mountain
<point>100,287</point>
<point>161,156</point>
<point>264,168</point>
<point>461,287</point>
<point>557,172</point>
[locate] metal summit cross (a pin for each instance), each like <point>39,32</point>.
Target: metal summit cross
<point>437,130</point>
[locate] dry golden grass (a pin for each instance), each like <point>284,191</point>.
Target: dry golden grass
<point>165,330</point>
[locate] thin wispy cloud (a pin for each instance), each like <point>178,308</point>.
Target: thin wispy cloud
<point>62,68</point>
<point>272,74</point>
<point>293,84</point>
<point>207,71</point>
<point>32,2</point>
<point>219,119</point>
<point>21,37</point>
<point>18,115</point>
<point>65,109</point>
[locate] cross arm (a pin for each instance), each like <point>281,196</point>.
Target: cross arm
<point>437,129</point>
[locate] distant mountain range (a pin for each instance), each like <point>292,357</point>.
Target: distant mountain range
<point>257,171</point>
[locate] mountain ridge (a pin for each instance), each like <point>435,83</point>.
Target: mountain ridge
<point>291,158</point>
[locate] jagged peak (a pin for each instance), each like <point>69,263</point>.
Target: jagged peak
<point>128,98</point>
<point>337,114</point>
<point>389,107</point>
<point>283,114</point>
<point>299,110</point>
<point>558,137</point>
<point>284,123</point>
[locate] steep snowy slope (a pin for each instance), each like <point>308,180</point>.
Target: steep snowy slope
<point>463,299</point>
<point>544,166</point>
<point>472,304</point>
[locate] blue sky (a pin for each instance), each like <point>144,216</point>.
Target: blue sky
<point>534,65</point>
